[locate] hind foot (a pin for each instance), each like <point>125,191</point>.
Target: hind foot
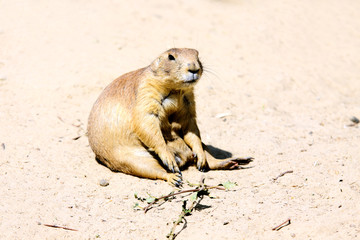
<point>182,152</point>
<point>228,164</point>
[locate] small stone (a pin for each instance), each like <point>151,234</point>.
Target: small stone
<point>104,182</point>
<point>355,120</point>
<point>226,223</point>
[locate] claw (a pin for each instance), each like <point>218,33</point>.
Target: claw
<point>178,183</point>
<point>177,159</point>
<point>180,177</point>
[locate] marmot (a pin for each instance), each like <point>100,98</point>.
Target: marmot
<point>144,122</point>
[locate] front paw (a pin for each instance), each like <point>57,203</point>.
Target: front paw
<point>169,161</point>
<point>175,179</point>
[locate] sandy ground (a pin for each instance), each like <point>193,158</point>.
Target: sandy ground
<point>285,73</point>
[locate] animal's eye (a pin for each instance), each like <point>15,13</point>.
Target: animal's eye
<point>171,57</point>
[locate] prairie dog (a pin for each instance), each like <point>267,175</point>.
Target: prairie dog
<point>144,122</point>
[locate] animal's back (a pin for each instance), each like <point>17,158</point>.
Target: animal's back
<point>110,118</point>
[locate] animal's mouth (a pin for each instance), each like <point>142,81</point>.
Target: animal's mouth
<point>190,81</point>
<point>191,77</point>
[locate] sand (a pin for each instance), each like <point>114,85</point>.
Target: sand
<point>282,82</point>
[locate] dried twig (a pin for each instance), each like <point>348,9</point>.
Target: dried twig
<point>56,226</point>
<point>148,207</point>
<point>282,174</point>
<point>185,211</point>
<point>201,191</point>
<point>280,226</point>
<point>60,119</point>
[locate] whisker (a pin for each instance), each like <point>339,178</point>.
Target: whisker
<point>207,70</point>
<point>209,73</point>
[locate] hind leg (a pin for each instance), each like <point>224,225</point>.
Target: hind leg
<point>139,162</point>
<point>224,164</point>
<point>183,154</point>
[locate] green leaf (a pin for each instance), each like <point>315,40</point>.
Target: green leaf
<point>187,212</point>
<point>229,185</point>
<point>193,196</point>
<point>137,206</point>
<point>150,199</point>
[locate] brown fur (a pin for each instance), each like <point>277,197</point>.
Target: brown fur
<point>144,122</point>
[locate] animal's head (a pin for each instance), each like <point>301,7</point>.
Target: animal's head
<point>179,66</point>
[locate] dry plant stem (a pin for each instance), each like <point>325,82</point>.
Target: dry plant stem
<point>280,226</point>
<point>147,208</point>
<point>282,174</point>
<point>56,226</point>
<point>172,234</point>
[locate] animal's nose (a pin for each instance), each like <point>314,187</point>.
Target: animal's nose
<point>193,71</point>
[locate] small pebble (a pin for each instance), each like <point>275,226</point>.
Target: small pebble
<point>355,120</point>
<point>226,223</point>
<point>3,146</point>
<point>104,182</point>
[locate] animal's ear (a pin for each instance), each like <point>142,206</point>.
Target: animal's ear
<point>155,64</point>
